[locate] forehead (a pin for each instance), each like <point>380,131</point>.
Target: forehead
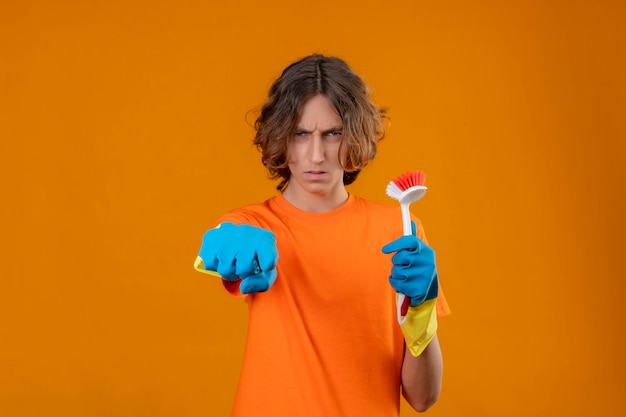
<point>318,112</point>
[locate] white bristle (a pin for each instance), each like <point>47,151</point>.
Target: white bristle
<point>393,191</point>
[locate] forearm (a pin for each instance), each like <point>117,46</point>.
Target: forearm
<point>422,376</point>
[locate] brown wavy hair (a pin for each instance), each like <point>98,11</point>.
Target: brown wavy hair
<point>333,78</point>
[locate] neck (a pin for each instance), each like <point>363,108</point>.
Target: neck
<point>315,203</point>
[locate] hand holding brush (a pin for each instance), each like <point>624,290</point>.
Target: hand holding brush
<point>414,271</point>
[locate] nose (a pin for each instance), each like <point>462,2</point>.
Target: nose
<point>316,149</point>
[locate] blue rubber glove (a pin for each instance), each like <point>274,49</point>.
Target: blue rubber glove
<point>241,252</point>
<point>414,271</point>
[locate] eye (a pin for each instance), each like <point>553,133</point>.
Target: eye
<point>299,134</point>
<point>334,136</point>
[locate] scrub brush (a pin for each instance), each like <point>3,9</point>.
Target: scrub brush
<point>406,188</point>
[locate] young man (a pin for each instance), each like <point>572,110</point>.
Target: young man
<point>320,267</point>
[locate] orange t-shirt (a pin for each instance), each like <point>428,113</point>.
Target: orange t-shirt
<point>324,340</point>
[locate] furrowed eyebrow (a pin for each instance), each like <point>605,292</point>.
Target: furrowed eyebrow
<point>325,132</point>
<point>333,129</point>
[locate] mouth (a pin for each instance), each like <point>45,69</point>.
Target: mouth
<point>314,174</point>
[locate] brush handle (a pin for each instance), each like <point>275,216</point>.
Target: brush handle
<point>402,309</point>
<point>403,301</point>
<point>407,230</point>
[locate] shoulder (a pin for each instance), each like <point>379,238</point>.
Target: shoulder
<point>375,206</point>
<point>383,212</point>
<point>377,214</point>
<point>258,214</point>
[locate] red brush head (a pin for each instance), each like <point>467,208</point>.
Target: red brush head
<point>410,179</point>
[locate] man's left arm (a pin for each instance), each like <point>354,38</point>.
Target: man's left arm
<point>414,274</point>
<point>422,376</point>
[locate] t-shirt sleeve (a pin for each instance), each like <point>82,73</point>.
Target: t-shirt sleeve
<point>237,217</point>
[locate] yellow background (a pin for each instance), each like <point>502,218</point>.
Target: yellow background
<point>124,133</point>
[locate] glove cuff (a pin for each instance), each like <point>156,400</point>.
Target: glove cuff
<point>420,326</point>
